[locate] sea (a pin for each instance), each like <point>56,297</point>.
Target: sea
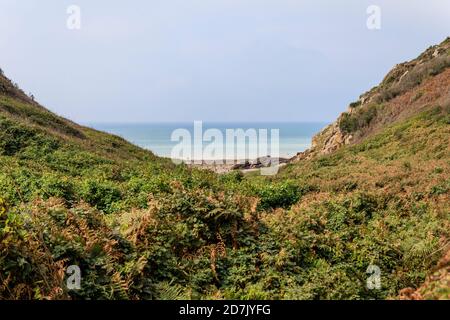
<point>293,137</point>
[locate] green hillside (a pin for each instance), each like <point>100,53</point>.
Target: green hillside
<point>374,190</point>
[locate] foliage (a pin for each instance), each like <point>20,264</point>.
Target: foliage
<point>101,195</point>
<point>140,227</point>
<point>415,77</point>
<point>351,122</point>
<point>277,195</point>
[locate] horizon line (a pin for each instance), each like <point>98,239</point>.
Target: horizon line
<point>204,121</point>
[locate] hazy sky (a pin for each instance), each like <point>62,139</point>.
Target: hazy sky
<point>210,60</point>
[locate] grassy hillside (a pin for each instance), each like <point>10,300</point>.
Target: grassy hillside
<point>141,228</point>
<point>406,90</point>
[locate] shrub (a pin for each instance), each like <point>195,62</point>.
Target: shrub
<point>100,194</point>
<point>139,189</point>
<point>348,123</point>
<point>355,104</point>
<point>57,186</point>
<point>415,77</point>
<point>232,177</point>
<point>440,189</point>
<point>13,138</point>
<point>27,142</point>
<point>278,195</point>
<point>26,267</point>
<point>361,118</point>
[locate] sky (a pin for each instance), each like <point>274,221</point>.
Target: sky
<point>210,60</point>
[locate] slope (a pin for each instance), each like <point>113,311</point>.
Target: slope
<point>139,227</point>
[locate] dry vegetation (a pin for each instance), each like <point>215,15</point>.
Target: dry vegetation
<point>141,228</point>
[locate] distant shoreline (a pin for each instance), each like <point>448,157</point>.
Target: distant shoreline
<point>224,166</point>
<point>156,137</point>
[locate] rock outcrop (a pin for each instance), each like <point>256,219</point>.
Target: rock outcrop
<point>406,88</point>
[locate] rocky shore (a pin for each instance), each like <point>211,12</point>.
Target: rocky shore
<point>224,166</point>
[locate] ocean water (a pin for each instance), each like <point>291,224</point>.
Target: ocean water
<point>293,137</point>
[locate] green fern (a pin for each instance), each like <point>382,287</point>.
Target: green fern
<point>168,291</point>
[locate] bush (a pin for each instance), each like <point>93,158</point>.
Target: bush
<point>278,195</point>
<point>26,267</point>
<point>440,189</point>
<point>59,187</point>
<point>27,142</point>
<point>355,104</point>
<point>348,123</point>
<point>361,118</point>
<point>13,138</point>
<point>101,195</point>
<point>415,77</point>
<point>232,177</point>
